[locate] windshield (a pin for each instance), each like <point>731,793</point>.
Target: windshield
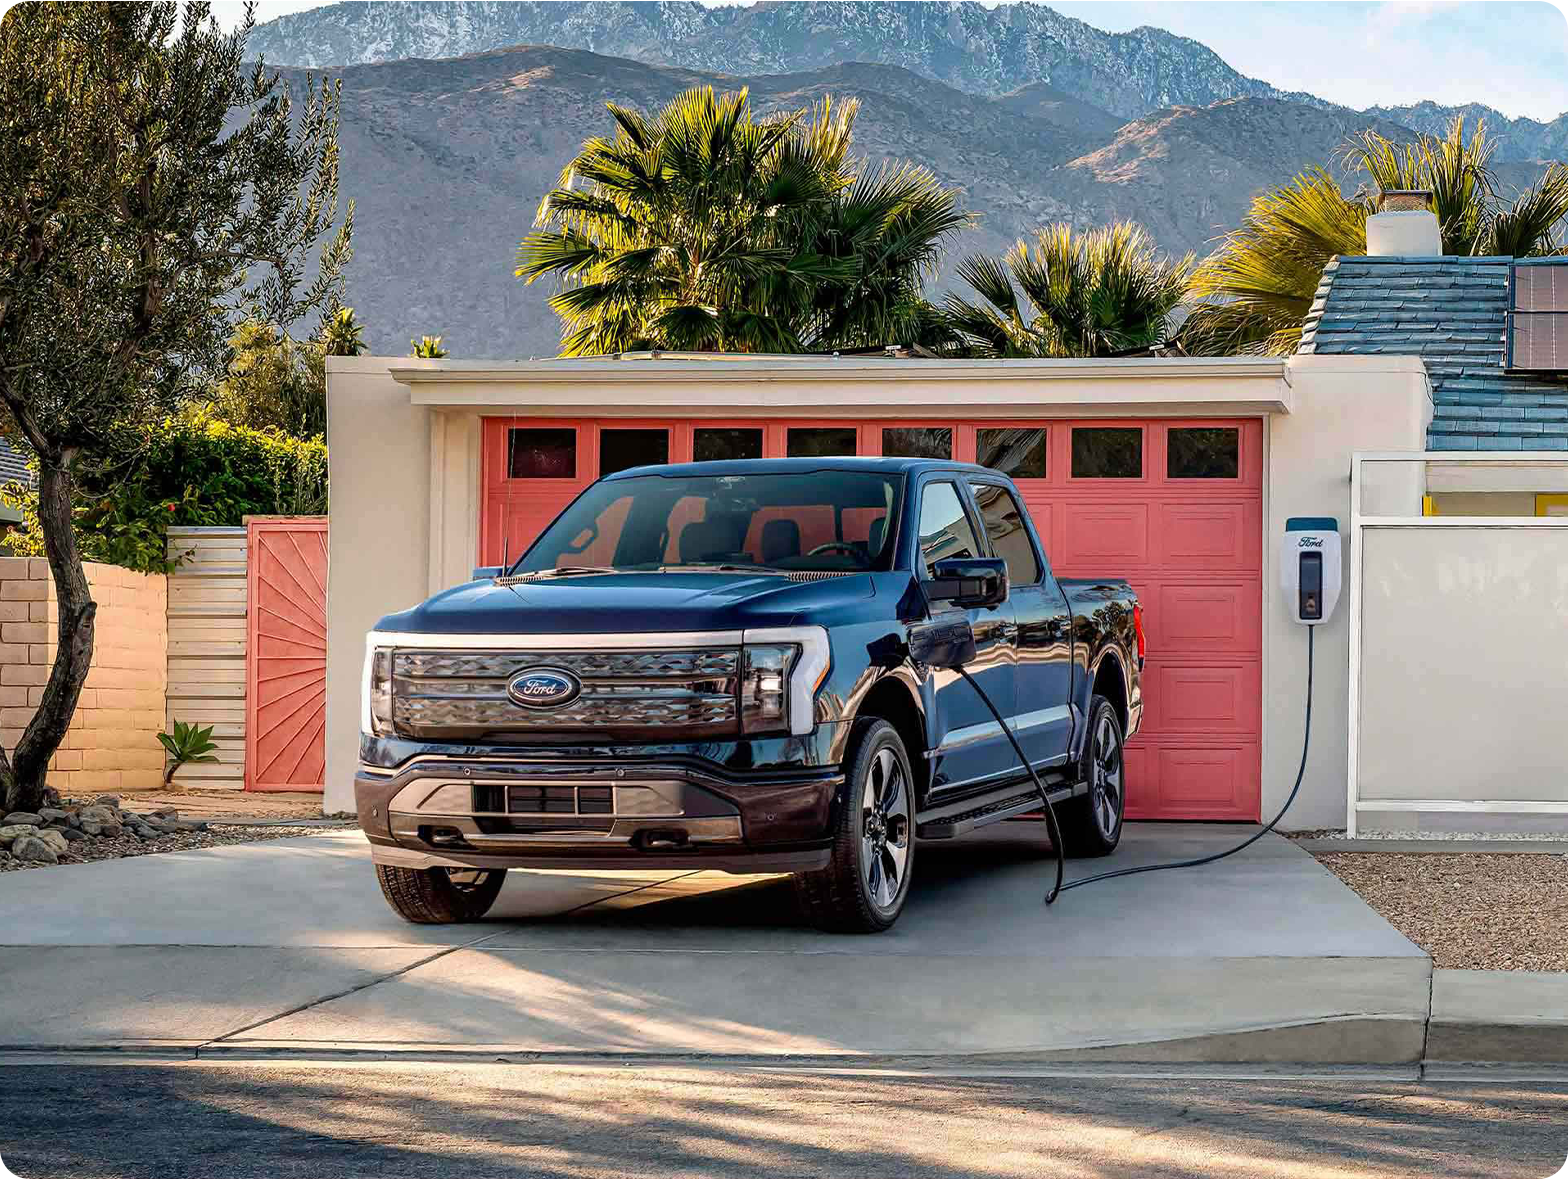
<point>807,521</point>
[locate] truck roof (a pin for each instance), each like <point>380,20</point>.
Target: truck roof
<point>783,466</point>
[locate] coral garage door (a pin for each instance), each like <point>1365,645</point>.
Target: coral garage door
<point>1176,507</point>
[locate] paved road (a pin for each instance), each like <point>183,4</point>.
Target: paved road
<point>276,1121</point>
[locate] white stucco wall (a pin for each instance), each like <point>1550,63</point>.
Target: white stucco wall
<point>1342,404</point>
<point>378,540</point>
<point>404,437</point>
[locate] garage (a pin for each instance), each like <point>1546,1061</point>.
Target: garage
<point>1173,505</point>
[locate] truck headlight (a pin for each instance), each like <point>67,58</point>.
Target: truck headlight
<point>781,670</point>
<point>376,709</point>
<point>764,684</point>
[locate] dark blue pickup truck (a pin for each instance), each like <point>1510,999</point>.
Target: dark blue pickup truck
<point>707,666</point>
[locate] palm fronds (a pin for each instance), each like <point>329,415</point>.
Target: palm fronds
<point>699,226</point>
<point>1070,294</point>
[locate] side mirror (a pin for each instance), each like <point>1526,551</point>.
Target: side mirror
<point>483,571</point>
<point>972,583</point>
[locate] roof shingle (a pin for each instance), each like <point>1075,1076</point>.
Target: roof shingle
<point>1453,313</point>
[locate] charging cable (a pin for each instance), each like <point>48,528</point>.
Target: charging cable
<point>1050,811</point>
<point>1306,739</point>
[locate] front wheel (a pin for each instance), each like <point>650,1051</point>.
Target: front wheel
<point>865,884</point>
<point>1092,824</point>
<point>440,896</point>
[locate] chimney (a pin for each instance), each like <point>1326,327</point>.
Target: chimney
<point>1404,225</point>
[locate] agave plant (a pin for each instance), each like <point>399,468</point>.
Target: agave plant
<point>427,347</point>
<point>342,334</point>
<point>702,227</point>
<point>187,745</point>
<point>1254,291</point>
<point>1070,294</point>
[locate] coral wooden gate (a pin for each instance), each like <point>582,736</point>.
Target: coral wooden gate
<point>286,668</point>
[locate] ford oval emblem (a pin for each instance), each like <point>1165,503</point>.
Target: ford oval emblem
<point>543,687</point>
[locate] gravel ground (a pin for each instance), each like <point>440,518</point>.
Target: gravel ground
<point>1479,912</point>
<point>106,848</point>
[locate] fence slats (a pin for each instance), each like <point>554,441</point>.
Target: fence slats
<point>207,639</point>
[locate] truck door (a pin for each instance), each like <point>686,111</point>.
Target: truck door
<point>1042,718</point>
<point>967,744</point>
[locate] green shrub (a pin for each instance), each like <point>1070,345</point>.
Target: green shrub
<point>188,471</point>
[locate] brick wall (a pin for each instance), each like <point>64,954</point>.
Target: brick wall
<point>112,744</point>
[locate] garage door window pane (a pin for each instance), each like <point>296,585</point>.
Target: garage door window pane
<point>541,454</point>
<point>918,442</point>
<point>1019,453</point>
<point>944,527</point>
<point>1203,452</point>
<point>619,449</point>
<point>1107,452</point>
<point>821,441</point>
<point>713,444</point>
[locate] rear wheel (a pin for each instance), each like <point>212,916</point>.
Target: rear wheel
<point>864,886</point>
<point>440,896</point>
<point>1092,824</point>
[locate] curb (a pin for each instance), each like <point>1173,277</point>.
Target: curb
<point>1437,847</point>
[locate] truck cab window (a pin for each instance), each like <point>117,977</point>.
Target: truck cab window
<point>1003,521</point>
<point>944,527</point>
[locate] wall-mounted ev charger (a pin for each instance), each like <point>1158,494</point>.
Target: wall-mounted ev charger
<point>1309,568</point>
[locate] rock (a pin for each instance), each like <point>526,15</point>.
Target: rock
<point>107,800</point>
<point>142,831</point>
<point>52,797</point>
<point>34,850</point>
<point>53,838</point>
<point>26,818</point>
<point>11,830</point>
<point>167,813</point>
<point>107,830</point>
<point>98,814</point>
<point>74,820</point>
<point>71,834</point>
<point>53,814</point>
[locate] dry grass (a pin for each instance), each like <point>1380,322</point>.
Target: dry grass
<point>1496,911</point>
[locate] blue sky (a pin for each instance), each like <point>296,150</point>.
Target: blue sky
<point>1510,55</point>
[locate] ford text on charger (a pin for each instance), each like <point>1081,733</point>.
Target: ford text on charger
<point>706,666</point>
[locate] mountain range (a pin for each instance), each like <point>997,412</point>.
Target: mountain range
<point>448,155</point>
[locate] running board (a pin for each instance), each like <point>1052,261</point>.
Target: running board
<point>1019,805</point>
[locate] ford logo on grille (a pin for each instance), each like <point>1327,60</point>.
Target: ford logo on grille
<point>543,687</point>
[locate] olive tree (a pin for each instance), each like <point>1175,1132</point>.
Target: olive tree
<point>154,190</point>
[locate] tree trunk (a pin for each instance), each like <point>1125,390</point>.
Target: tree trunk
<point>24,777</point>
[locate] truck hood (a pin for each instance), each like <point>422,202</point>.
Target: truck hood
<point>626,603</point>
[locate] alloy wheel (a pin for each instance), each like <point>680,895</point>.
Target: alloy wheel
<point>1105,777</point>
<point>884,829</point>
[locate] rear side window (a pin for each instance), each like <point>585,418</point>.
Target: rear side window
<point>944,527</point>
<point>1003,521</point>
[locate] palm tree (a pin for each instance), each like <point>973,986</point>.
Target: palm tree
<point>700,227</point>
<point>1254,291</point>
<point>1091,294</point>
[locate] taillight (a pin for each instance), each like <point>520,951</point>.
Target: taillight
<point>1137,630</point>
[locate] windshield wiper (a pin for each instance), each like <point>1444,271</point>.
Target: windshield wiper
<point>565,571</point>
<point>722,567</point>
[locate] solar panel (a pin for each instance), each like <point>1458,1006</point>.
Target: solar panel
<point>1538,315</point>
<point>1541,286</point>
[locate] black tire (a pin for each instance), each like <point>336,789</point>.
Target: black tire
<point>440,896</point>
<point>1092,824</point>
<point>865,884</point>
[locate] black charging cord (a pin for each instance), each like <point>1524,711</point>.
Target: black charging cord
<point>1306,739</point>
<point>1050,811</point>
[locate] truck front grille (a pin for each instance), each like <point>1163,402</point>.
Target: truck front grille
<point>639,694</point>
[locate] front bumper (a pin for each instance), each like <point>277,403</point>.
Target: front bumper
<point>511,811</point>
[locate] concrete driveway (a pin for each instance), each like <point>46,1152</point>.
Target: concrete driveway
<point>286,947</point>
